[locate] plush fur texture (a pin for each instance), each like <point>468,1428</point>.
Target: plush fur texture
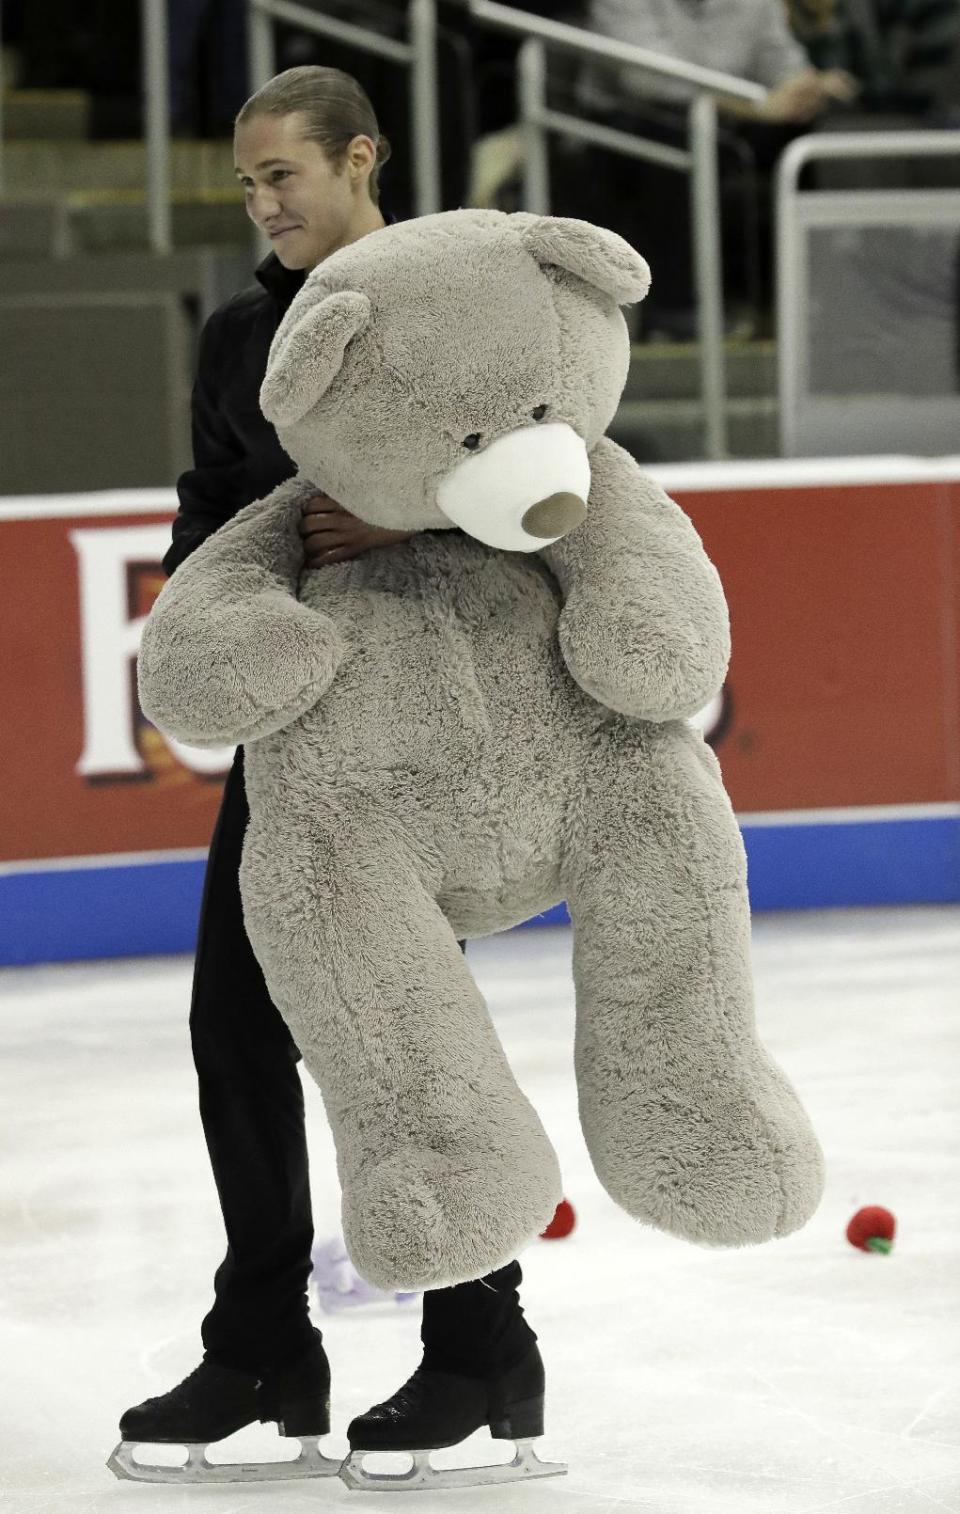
<point>444,738</point>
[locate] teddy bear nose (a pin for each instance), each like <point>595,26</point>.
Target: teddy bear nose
<point>554,516</point>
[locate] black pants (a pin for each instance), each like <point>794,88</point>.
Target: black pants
<point>251,1105</point>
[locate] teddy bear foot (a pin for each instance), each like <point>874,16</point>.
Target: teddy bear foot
<point>726,1204</point>
<point>422,1219</point>
<point>740,1179</point>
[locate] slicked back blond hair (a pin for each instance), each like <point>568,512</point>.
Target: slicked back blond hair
<point>335,109</point>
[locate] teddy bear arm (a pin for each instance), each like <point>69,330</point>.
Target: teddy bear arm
<point>228,653</point>
<point>644,627</point>
<point>258,547</point>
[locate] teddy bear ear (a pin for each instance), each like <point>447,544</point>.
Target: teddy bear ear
<point>305,360</point>
<point>596,255</point>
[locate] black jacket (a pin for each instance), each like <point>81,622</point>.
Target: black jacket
<point>236,455</point>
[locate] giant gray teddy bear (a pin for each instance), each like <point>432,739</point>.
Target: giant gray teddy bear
<point>447,736</point>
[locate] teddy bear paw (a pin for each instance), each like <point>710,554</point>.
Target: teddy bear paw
<point>632,668</point>
<point>242,671</point>
<point>422,1219</point>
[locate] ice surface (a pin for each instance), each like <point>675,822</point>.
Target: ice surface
<point>797,1377</point>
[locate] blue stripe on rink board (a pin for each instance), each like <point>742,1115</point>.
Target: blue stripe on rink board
<point>835,864</point>
<point>151,908</point>
<point>143,910</point>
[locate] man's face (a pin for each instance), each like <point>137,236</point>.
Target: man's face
<point>294,193</point>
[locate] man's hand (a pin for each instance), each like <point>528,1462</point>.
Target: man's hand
<point>331,534</point>
<point>806,95</point>
<point>837,84</point>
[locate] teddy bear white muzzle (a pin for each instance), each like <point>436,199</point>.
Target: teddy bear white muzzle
<point>523,491</point>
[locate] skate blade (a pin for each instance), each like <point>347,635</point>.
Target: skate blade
<point>197,1469</point>
<point>525,1466</point>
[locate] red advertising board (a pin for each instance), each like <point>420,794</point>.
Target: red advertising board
<point>84,774</point>
<point>843,684</point>
<point>844,689</point>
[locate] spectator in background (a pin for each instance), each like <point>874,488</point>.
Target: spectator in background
<point>649,204</point>
<point>748,38</point>
<point>899,51</point>
<point>208,65</point>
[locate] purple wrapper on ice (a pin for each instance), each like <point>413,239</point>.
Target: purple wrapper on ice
<point>337,1284</point>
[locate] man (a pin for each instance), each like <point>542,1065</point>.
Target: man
<point>308,152</point>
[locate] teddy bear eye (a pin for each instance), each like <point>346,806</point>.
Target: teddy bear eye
<point>539,413</point>
<point>472,441</point>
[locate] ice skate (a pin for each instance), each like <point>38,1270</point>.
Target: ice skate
<point>213,1402</point>
<point>435,1409</point>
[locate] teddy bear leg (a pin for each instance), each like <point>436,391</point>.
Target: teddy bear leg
<point>445,1168</point>
<point>691,1125</point>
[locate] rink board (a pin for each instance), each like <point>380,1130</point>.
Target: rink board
<point>839,732</point>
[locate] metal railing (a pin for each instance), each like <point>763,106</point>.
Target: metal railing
<point>156,122</point>
<point>800,212</point>
<point>700,160</point>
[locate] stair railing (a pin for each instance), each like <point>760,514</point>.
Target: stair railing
<point>156,122</point>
